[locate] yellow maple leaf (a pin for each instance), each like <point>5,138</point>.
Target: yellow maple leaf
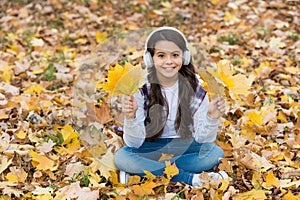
<point>67,132</point>
<point>228,17</point>
<point>255,117</point>
<point>260,117</point>
<point>165,156</point>
<point>291,196</point>
<point>101,37</point>
<point>34,89</point>
<point>134,179</point>
<point>16,175</point>
<point>171,170</point>
<point>225,184</point>
<point>149,175</point>
<point>271,181</point>
<point>42,162</point>
<point>71,141</point>
<point>96,180</point>
<point>12,177</point>
<point>114,177</point>
<point>214,2</point>
<point>6,72</point>
<point>256,180</point>
<point>123,80</point>
<point>70,146</point>
<point>97,149</point>
<point>237,83</point>
<point>21,134</point>
<point>250,195</point>
<point>145,188</point>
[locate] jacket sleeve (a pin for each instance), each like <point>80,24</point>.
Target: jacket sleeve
<point>205,128</point>
<point>134,130</point>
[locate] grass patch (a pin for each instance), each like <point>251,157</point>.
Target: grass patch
<point>49,73</point>
<point>231,39</point>
<point>294,36</point>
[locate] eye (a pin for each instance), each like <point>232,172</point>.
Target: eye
<point>160,55</point>
<point>176,54</point>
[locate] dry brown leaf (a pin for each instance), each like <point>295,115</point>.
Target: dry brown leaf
<point>115,141</point>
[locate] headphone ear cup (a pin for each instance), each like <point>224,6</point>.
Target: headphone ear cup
<point>186,57</point>
<point>148,59</point>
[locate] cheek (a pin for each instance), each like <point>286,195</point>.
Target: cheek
<point>179,61</point>
<point>157,60</point>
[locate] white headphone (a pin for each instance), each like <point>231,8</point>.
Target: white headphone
<point>147,56</point>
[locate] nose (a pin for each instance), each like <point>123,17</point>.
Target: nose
<point>169,60</point>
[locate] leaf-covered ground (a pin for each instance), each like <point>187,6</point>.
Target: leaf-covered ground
<point>58,132</point>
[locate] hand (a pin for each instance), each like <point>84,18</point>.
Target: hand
<point>216,108</point>
<point>129,106</point>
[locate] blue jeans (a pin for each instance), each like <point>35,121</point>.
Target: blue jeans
<point>189,156</point>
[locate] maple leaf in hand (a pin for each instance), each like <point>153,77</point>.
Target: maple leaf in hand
<point>237,83</point>
<point>123,80</point>
<point>214,87</point>
<point>225,76</point>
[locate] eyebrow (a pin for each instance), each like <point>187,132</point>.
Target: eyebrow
<point>161,51</point>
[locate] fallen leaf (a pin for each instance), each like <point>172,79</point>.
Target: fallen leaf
<point>34,89</point>
<point>171,169</point>
<point>74,168</point>
<point>17,175</point>
<point>103,113</point>
<point>45,147</point>
<point>5,163</point>
<point>271,181</point>
<point>291,196</point>
<point>101,37</point>
<point>115,141</point>
<point>165,156</point>
<point>42,162</point>
<point>145,188</point>
<point>254,161</point>
<point>105,164</point>
<point>253,194</point>
<point>74,191</point>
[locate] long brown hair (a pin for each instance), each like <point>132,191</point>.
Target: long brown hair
<point>156,116</point>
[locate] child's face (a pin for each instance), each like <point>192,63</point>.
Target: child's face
<point>167,60</point>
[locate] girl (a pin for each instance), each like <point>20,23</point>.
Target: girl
<point>171,114</point>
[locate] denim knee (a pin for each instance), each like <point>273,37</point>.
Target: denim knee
<point>120,157</point>
<point>211,151</point>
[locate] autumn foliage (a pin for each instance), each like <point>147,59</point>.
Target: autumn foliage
<point>64,64</point>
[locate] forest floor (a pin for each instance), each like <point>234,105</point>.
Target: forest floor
<point>59,129</point>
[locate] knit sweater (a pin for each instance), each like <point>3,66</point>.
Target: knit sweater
<point>205,128</point>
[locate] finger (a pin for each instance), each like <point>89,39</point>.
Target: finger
<point>222,110</point>
<point>215,101</point>
<point>128,107</point>
<point>131,98</point>
<point>125,98</point>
